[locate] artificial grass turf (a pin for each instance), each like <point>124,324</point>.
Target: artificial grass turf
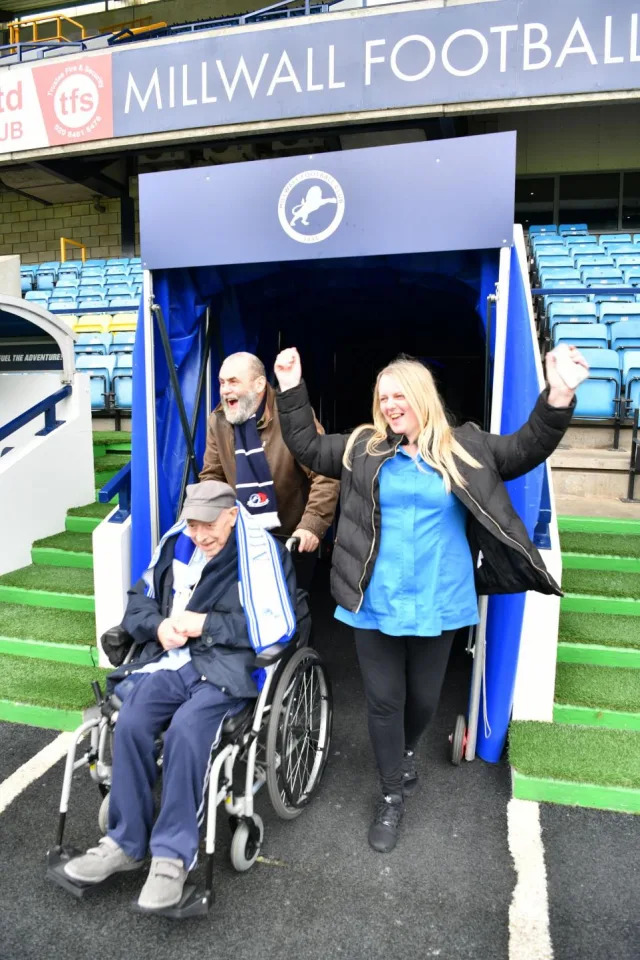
<point>46,624</point>
<point>108,438</point>
<point>605,629</point>
<point>74,542</point>
<point>602,583</point>
<point>47,684</point>
<point>50,579</point>
<point>582,754</point>
<point>93,510</point>
<point>604,688</point>
<point>601,544</point>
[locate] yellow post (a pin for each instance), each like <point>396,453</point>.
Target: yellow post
<point>63,248</point>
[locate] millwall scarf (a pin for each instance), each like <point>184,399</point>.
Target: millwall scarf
<point>254,483</point>
<point>262,585</point>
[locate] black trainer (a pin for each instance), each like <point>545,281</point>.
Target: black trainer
<point>409,773</point>
<point>383,832</point>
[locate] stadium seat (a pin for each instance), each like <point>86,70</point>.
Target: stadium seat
<point>542,228</point>
<point>96,343</point>
<point>41,296</point>
<point>61,305</point>
<point>124,322</point>
<point>582,260</point>
<point>606,297</point>
<point>572,313</point>
<point>87,303</point>
<point>631,380</point>
<point>543,262</point>
<point>618,312</point>
<point>67,280</point>
<point>625,335</point>
<point>612,248</point>
<point>548,249</point>
<point>45,280</point>
<point>572,229</point>
<point>581,335</point>
<point>91,279</point>
<point>117,261</point>
<point>124,303</point>
<point>597,395</point>
<point>95,262</point>
<point>631,275</point>
<point>123,342</point>
<point>123,381</point>
<point>119,290</point>
<point>586,240</point>
<point>121,269</point>
<point>615,238</point>
<point>135,260</point>
<point>100,370</point>
<point>558,273</point>
<point>26,283</point>
<point>623,260</point>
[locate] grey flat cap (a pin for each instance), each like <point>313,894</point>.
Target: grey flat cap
<point>205,501</point>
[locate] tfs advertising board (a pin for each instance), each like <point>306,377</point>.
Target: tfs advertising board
<point>324,66</point>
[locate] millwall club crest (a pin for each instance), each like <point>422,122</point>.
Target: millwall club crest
<point>311,206</point>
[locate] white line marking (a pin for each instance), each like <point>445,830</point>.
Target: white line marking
<point>34,768</point>
<point>529,935</point>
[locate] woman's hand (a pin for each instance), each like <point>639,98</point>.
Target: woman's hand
<point>288,368</point>
<point>560,395</point>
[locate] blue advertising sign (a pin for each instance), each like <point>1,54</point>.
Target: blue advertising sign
<point>455,194</point>
<point>474,52</point>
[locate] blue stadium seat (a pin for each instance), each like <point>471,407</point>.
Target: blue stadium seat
<point>45,281</point>
<point>26,283</point>
<point>582,335</point>
<point>623,260</point>
<point>625,335</point>
<point>91,272</point>
<point>549,249</point>
<point>135,260</point>
<point>582,260</point>
<point>558,273</point>
<point>572,229</point>
<point>117,261</point>
<point>586,240</point>
<point>618,312</point>
<point>124,303</point>
<point>95,343</point>
<point>122,343</point>
<point>88,303</point>
<point>95,262</point>
<point>119,290</point>
<point>605,297</point>
<point>596,396</point>
<point>554,260</point>
<point>615,238</point>
<point>67,280</point>
<point>123,381</point>
<point>61,306</point>
<point>572,313</point>
<point>542,228</point>
<point>631,275</point>
<point>64,293</point>
<point>596,275</point>
<point>121,269</point>
<point>612,248</point>
<point>100,370</point>
<point>40,296</point>
<point>631,379</point>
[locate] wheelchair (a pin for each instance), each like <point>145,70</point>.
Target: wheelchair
<point>282,739</point>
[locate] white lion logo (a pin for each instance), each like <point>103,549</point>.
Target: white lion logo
<point>312,202</point>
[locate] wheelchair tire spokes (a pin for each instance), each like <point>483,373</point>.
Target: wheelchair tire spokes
<point>299,733</point>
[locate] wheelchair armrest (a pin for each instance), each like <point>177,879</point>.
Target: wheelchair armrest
<point>271,655</point>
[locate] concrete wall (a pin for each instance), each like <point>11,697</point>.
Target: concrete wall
<point>10,276</point>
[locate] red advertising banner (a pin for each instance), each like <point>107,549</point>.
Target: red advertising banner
<point>54,103</point>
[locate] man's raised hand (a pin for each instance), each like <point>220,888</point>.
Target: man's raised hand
<point>288,368</point>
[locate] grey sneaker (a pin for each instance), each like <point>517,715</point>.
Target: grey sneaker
<point>100,862</point>
<point>164,884</point>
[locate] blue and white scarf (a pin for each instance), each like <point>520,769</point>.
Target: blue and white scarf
<point>254,483</point>
<point>262,585</point>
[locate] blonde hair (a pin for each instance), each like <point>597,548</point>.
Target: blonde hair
<point>436,444</point>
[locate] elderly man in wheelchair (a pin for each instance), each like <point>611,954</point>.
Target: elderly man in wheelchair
<point>210,626</point>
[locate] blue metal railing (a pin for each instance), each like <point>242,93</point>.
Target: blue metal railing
<point>542,534</point>
<point>46,406</point>
<point>119,485</point>
<point>40,46</point>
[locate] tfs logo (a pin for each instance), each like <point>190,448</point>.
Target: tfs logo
<point>76,100</point>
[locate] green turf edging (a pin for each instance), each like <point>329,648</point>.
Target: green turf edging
<point>84,524</point>
<point>599,656</point>
<point>603,629</point>
<point>604,544</point>
<point>585,603</point>
<point>607,525</point>
<point>59,652</point>
<point>110,438</point>
<point>603,688</point>
<point>95,510</point>
<point>42,598</point>
<point>579,754</point>
<point>48,718</point>
<point>567,793</point>
<point>48,557</point>
<point>55,579</point>
<point>47,626</point>
<point>583,561</point>
<point>71,542</point>
<point>44,683</point>
<point>567,713</point>
<point>605,584</point>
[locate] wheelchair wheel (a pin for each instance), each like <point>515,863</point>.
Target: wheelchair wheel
<point>299,733</point>
<point>103,814</point>
<point>244,848</point>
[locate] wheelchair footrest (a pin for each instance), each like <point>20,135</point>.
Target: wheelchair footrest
<point>193,903</point>
<point>56,862</point>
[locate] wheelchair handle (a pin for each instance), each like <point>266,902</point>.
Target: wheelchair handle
<point>293,544</point>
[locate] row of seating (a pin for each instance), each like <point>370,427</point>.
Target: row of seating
<point>619,336</point>
<point>111,380</point>
<point>587,311</point>
<point>102,344</point>
<point>56,302</point>
<point>101,322</point>
<point>612,390</point>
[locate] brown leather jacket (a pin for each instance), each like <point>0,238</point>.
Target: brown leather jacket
<point>305,499</point>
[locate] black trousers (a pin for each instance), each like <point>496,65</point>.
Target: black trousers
<point>402,678</point>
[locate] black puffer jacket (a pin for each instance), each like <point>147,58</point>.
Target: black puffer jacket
<point>504,558</point>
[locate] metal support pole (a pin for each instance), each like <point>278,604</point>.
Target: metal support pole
<point>634,462</point>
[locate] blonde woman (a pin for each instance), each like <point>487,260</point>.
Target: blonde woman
<point>426,524</point>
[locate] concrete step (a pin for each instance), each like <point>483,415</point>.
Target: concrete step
<point>600,436</point>
<point>575,505</point>
<point>590,472</point>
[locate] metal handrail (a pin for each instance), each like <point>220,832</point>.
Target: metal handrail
<point>46,406</point>
<point>74,243</point>
<point>119,484</point>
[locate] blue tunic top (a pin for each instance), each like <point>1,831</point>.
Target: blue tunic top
<point>422,581</point>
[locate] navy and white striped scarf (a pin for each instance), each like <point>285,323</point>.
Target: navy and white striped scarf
<point>254,483</point>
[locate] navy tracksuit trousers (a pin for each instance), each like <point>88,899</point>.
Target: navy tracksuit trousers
<point>196,709</point>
